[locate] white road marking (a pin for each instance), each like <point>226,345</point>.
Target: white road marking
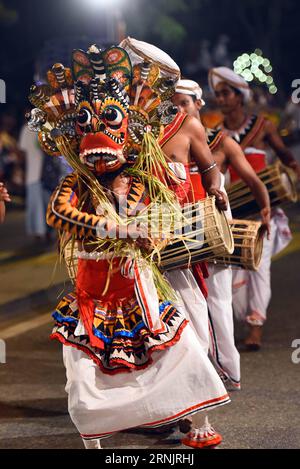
<point>25,326</point>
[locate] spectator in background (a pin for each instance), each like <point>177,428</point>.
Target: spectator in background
<point>220,52</point>
<point>42,175</point>
<point>52,171</point>
<point>35,206</point>
<point>4,197</point>
<point>11,158</point>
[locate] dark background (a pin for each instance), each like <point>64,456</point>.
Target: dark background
<point>36,33</point>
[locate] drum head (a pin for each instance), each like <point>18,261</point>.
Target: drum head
<point>289,186</point>
<point>225,231</point>
<point>258,248</point>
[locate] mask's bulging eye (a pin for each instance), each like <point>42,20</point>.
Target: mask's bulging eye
<point>84,117</point>
<point>113,116</point>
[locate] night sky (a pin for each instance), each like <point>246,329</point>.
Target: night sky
<point>28,26</point>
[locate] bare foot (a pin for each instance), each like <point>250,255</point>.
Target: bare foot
<point>253,341</point>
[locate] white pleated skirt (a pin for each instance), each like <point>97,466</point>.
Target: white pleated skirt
<point>180,381</point>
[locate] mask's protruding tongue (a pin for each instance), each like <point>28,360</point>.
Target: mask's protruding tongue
<point>100,166</point>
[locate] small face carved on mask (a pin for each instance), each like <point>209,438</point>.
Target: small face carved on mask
<point>102,127</point>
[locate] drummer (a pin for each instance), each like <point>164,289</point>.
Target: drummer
<point>183,137</point>
<point>255,134</point>
<point>225,150</point>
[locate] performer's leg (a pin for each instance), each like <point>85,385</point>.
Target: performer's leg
<point>92,444</point>
<point>240,293</point>
<point>223,352</point>
<point>80,371</point>
<point>260,293</point>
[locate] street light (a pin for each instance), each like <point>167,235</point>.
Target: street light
<point>94,4</point>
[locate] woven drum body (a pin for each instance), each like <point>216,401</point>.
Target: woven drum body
<point>70,254</point>
<point>248,245</point>
<point>208,233</point>
<point>281,186</point>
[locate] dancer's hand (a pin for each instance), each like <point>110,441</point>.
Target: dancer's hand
<point>139,235</point>
<point>221,199</point>
<point>265,215</point>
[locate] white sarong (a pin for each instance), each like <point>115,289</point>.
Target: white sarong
<point>223,352</point>
<point>180,381</point>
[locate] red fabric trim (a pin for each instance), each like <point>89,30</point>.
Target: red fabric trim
<point>256,160</point>
<point>253,132</point>
<point>239,284</point>
<point>86,307</point>
<point>172,129</point>
<point>97,435</point>
<point>145,303</point>
<point>198,274</point>
<point>213,145</point>
<point>217,401</point>
<point>193,408</point>
<point>128,367</point>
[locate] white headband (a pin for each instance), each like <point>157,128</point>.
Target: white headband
<point>225,74</point>
<point>191,88</point>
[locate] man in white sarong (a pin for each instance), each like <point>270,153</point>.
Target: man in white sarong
<point>188,98</point>
<point>255,134</point>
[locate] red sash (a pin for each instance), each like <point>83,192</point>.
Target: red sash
<point>256,158</point>
<point>91,282</point>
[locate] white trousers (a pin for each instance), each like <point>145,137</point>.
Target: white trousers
<point>252,289</point>
<point>222,348</point>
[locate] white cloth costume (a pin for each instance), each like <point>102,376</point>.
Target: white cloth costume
<point>181,379</point>
<point>223,352</point>
<point>252,289</point>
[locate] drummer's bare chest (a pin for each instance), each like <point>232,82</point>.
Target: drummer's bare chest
<point>178,148</point>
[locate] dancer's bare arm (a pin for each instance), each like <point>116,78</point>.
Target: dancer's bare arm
<point>201,154</point>
<point>275,141</point>
<point>236,158</point>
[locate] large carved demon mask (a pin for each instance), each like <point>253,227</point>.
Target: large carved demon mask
<point>101,107</point>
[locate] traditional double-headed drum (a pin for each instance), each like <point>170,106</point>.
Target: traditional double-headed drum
<point>248,238</point>
<point>281,186</point>
<point>205,234</point>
